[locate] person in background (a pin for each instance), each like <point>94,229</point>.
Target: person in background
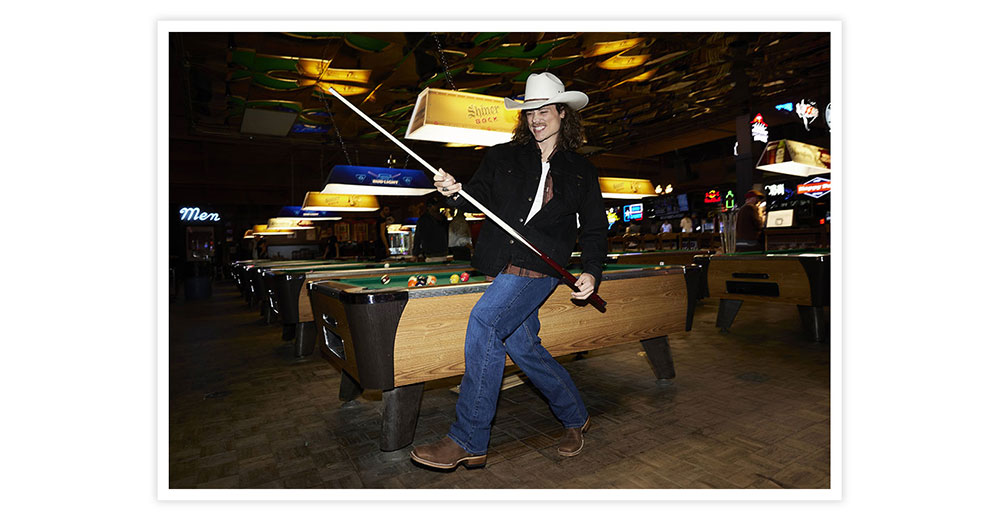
<point>430,239</point>
<point>459,237</point>
<point>666,227</point>
<point>332,250</point>
<point>632,232</point>
<point>383,219</point>
<point>749,222</point>
<point>686,225</point>
<point>261,249</point>
<point>634,227</point>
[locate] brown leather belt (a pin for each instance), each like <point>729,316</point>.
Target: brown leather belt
<point>510,269</point>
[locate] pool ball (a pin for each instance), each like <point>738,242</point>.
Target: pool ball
<point>454,278</point>
<point>387,265</point>
<point>432,280</point>
<point>464,277</point>
<point>422,280</point>
<point>411,282</point>
<point>385,279</point>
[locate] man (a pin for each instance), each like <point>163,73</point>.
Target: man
<point>383,219</point>
<point>430,239</point>
<point>537,185</point>
<point>687,226</point>
<point>332,250</point>
<point>749,222</point>
<point>459,237</point>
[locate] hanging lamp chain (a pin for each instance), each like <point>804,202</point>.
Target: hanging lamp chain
<point>444,62</point>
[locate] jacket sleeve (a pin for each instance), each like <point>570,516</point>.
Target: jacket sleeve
<point>593,227</point>
<point>480,186</point>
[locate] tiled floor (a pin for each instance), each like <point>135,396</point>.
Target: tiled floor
<point>748,409</point>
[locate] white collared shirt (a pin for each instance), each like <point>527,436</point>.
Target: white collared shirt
<point>540,193</point>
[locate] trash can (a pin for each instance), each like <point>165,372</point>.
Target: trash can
<point>197,280</point>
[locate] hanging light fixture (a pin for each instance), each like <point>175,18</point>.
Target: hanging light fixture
<point>373,180</point>
<point>320,201</point>
<point>794,158</point>
<point>262,230</point>
<point>450,116</point>
<point>626,188</point>
<point>312,215</point>
<point>289,223</point>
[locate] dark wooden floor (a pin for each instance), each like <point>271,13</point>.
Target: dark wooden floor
<point>748,409</point>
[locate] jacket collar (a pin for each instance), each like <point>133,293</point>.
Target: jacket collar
<point>530,153</point>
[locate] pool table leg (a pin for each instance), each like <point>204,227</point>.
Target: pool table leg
<point>658,354</point>
<point>812,321</point>
<point>727,313</point>
<point>349,387</point>
<point>305,338</point>
<point>268,311</point>
<point>400,407</point>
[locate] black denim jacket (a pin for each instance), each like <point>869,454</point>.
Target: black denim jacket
<point>506,183</point>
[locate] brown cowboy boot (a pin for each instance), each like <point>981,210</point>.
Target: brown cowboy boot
<point>446,454</point>
<point>571,442</point>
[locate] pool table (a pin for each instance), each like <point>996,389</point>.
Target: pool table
<point>255,275</point>
<point>240,271</point>
<point>288,294</point>
<point>800,277</point>
<point>660,257</point>
<point>396,338</point>
<point>244,274</point>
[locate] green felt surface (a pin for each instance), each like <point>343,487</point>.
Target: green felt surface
<point>364,265</point>
<point>814,251</point>
<point>400,281</point>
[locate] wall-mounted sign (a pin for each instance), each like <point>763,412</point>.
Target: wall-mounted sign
<point>775,190</point>
<point>195,214</point>
<point>807,111</point>
<point>633,212</point>
<point>816,187</point>
<point>713,196</point>
<point>759,129</point>
<point>730,200</point>
<point>788,107</point>
<point>612,216</point>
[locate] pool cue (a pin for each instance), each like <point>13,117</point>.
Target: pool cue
<point>567,277</point>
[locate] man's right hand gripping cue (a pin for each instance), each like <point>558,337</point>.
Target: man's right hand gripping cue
<point>446,184</point>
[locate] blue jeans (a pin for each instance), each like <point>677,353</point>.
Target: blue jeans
<point>505,322</point>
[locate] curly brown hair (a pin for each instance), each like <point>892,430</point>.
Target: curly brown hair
<point>571,135</point>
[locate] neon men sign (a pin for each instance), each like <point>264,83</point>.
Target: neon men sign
<point>195,214</point>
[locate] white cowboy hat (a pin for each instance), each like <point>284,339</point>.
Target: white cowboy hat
<point>545,89</point>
